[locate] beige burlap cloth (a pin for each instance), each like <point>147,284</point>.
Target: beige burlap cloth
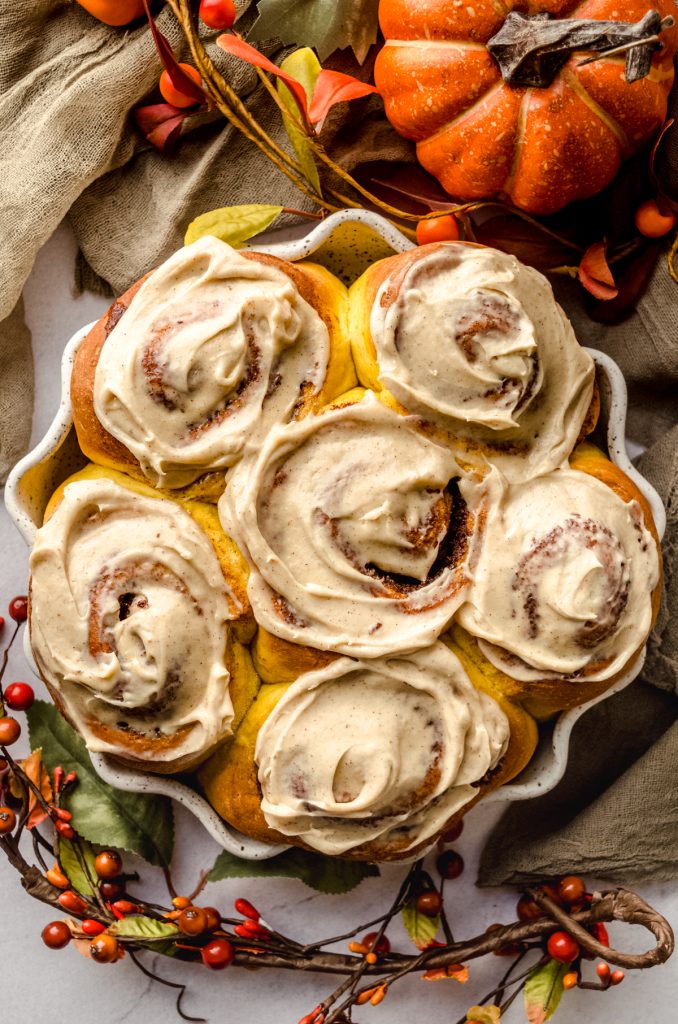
<point>67,85</point>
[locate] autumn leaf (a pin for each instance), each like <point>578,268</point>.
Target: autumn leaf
<point>595,274</point>
<point>233,224</point>
<point>335,87</point>
<point>420,928</point>
<point>304,66</point>
<point>458,972</point>
<point>160,124</point>
<point>233,44</point>
<point>323,24</point>
<point>37,773</point>
<point>544,990</point>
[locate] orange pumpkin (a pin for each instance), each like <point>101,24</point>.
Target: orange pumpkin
<point>114,12</point>
<point>539,147</point>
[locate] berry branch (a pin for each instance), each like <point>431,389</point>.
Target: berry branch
<point>562,924</point>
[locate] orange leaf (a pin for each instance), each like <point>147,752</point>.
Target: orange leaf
<point>335,87</point>
<point>595,274</point>
<point>232,43</point>
<point>37,773</point>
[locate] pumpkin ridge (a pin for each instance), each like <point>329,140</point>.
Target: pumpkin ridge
<point>497,87</point>
<point>460,44</point>
<point>583,94</point>
<point>519,142</point>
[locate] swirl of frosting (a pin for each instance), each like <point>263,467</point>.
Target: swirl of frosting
<point>472,340</point>
<point>213,349</point>
<point>356,536</point>
<point>384,750</point>
<point>563,584</point>
<point>129,612</point>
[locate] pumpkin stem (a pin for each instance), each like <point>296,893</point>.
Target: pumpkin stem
<point>531,49</point>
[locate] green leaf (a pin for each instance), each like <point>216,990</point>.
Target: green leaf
<point>325,874</point>
<point>543,991</point>
<point>233,224</point>
<point>77,862</point>
<point>103,815</point>
<point>143,928</point>
<point>305,67</point>
<point>323,24</point>
<point>420,928</point>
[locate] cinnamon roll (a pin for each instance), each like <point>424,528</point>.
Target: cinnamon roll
<point>355,531</point>
<point>131,612</point>
<point>473,342</point>
<point>565,587</point>
<point>366,758</point>
<point>199,359</point>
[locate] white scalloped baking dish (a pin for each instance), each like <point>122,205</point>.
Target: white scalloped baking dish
<point>347,242</point>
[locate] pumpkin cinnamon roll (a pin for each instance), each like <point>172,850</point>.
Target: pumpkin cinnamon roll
<point>566,585</point>
<point>134,611</point>
<point>370,759</point>
<point>357,537</point>
<point>200,358</point>
<point>474,343</point>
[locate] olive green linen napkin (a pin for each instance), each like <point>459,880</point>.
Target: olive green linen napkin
<point>67,85</point>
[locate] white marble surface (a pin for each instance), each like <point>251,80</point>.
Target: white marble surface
<point>40,985</point>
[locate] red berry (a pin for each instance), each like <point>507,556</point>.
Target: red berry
<point>56,935</point>
<point>571,888</point>
<point>600,932</point>
<point>19,696</point>
<point>111,890</point>
<point>104,949</point>
<point>2,623</point>
<point>18,608</point>
<point>217,954</point>
<point>453,833</point>
<point>213,918</point>
<point>7,820</point>
<point>528,910</point>
<point>91,927</point>
<point>219,14</point>
<point>124,907</point>
<point>71,902</point>
<point>603,971</point>
<point>192,921</point>
<point>245,908</point>
<point>65,830</point>
<point>438,229</point>
<point>10,730</point>
<point>429,903</point>
<point>4,765</point>
<point>108,864</point>
<point>562,947</point>
<point>617,977</point>
<point>450,864</point>
<point>175,96</point>
<point>652,222</point>
<point>381,948</point>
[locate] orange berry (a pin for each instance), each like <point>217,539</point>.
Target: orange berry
<point>438,229</point>
<point>617,977</point>
<point>650,220</point>
<point>57,878</point>
<point>104,949</point>
<point>108,864</point>
<point>172,94</point>
<point>570,980</point>
<point>181,902</point>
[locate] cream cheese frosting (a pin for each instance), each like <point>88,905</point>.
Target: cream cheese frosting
<point>475,342</point>
<point>213,349</point>
<point>385,750</point>
<point>563,584</point>
<point>129,620</point>
<point>357,540</point>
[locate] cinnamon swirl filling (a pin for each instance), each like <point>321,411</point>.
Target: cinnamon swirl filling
<point>563,585</point>
<point>213,349</point>
<point>474,342</point>
<point>129,614</point>
<point>357,537</point>
<point>383,751</point>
